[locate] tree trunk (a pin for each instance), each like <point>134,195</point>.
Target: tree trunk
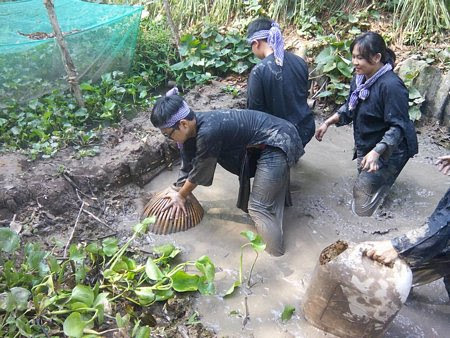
<point>67,60</point>
<point>173,28</point>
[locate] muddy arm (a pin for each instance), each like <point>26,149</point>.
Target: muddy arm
<point>429,240</point>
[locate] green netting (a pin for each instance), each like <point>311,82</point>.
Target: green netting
<point>101,38</point>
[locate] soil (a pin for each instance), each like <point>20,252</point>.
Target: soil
<point>45,197</point>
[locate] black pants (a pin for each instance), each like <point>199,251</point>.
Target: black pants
<point>370,188</point>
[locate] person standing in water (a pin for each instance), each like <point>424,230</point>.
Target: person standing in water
<point>278,85</point>
<point>384,136</point>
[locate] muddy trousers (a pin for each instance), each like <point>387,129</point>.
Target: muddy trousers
<point>266,206</point>
<point>370,188</point>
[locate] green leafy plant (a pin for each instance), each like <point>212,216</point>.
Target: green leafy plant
<point>43,296</point>
<point>209,54</point>
<point>230,89</point>
<point>334,62</point>
<point>258,245</point>
<point>415,98</point>
<point>45,125</point>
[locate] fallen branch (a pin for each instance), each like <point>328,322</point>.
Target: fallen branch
<point>73,230</point>
<point>99,220</point>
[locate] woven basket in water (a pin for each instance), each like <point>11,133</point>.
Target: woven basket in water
<point>164,225</point>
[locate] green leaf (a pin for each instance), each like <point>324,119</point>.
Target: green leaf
<point>205,287</point>
<point>183,282</point>
<point>84,294</point>
<point>414,113</point>
<point>141,228</point>
<point>325,56</point>
<point>145,295</point>
<point>21,297</point>
<point>152,270</point>
<point>325,93</point>
<point>9,240</point>
<point>23,326</point>
<point>206,267</point>
<point>287,313</point>
<point>93,248</point>
<point>414,93</point>
<point>75,254</point>
<point>329,67</point>
<point>256,241</point>
<point>7,302</point>
<point>122,322</point>
<point>162,295</point>
<point>74,325</point>
<point>143,332</point>
<point>344,69</point>
<point>352,18</point>
<point>235,285</point>
<point>110,246</point>
<point>164,250</point>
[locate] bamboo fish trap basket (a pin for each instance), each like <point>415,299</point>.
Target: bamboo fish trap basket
<point>164,225</point>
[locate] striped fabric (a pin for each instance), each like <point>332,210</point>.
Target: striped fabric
<point>274,39</point>
<point>180,114</point>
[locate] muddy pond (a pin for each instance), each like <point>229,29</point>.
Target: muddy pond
<point>321,187</point>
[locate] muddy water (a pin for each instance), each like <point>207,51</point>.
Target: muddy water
<point>321,186</point>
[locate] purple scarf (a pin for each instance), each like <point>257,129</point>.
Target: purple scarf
<point>274,39</point>
<point>362,89</point>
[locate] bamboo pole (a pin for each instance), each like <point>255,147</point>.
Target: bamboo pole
<point>67,60</point>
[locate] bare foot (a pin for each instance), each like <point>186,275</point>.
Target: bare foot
<point>381,251</point>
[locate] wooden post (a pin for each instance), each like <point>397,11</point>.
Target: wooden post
<point>67,60</point>
<point>173,28</point>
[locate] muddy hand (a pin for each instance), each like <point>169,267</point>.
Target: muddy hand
<point>177,204</point>
<point>370,162</point>
<point>443,164</point>
<point>321,131</point>
<point>382,252</point>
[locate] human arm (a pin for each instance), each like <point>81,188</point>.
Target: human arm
<point>333,119</point>
<point>419,244</point>
<point>255,92</point>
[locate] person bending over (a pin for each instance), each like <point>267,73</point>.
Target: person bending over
<point>224,137</point>
<point>426,249</point>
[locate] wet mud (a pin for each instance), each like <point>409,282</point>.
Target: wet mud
<point>115,184</point>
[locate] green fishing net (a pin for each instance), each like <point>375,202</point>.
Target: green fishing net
<point>101,38</point>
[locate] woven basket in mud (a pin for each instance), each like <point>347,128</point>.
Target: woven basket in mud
<point>164,225</point>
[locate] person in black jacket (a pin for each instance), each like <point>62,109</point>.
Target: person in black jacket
<point>385,137</point>
<point>223,136</point>
<point>426,249</point>
<point>278,85</point>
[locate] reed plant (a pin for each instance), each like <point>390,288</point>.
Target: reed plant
<point>415,19</point>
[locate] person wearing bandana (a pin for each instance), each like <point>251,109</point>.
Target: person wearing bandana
<point>222,137</point>
<point>385,137</point>
<point>278,85</point>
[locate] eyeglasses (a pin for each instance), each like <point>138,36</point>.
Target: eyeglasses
<point>169,135</point>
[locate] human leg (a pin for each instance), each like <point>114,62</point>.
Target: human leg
<point>371,187</point>
<point>267,198</point>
